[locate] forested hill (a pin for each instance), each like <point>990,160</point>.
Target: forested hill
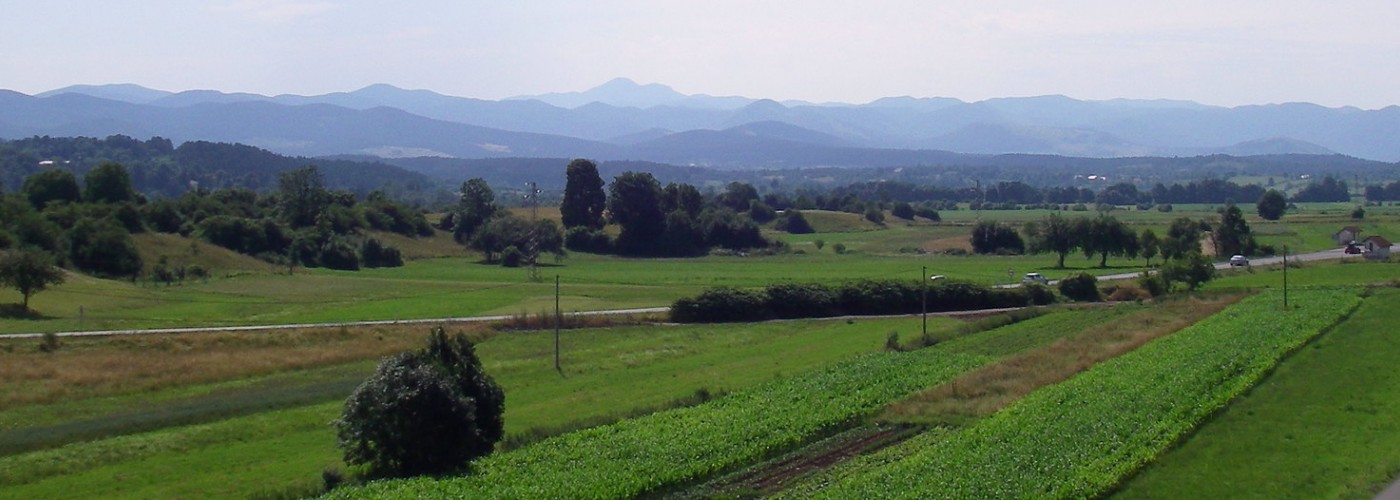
<point>161,170</point>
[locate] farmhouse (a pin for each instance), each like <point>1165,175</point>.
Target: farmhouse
<point>1347,235</point>
<point>1376,247</point>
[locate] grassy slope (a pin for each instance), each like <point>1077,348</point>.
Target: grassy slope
<point>1322,426</point>
<point>605,371</point>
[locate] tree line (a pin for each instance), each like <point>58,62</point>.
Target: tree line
<point>88,226</point>
<point>1104,236</point>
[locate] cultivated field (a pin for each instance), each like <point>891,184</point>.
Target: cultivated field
<point>1060,402</point>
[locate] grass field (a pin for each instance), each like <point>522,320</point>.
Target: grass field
<point>1322,426</point>
<point>245,291</point>
<point>608,374</point>
<point>228,415</point>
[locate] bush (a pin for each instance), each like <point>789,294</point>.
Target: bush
<point>1082,287</point>
<point>337,254</point>
<point>1193,269</point>
<point>375,254</point>
<point>903,210</point>
<point>801,300</point>
<point>423,412</point>
<point>512,257</point>
<point>1153,284</point>
<point>585,239</point>
<point>928,213</point>
<point>839,248</point>
<point>875,215</point>
<point>720,305</point>
<point>1127,291</point>
<point>1039,294</point>
<point>794,222</point>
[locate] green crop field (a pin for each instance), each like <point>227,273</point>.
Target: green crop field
<point>264,430</point>
<point>1322,426</point>
<point>1080,437</point>
<point>607,374</point>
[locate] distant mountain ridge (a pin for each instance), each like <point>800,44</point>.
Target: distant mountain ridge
<point>625,120</point>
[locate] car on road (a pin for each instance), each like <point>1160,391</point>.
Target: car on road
<point>1035,278</point>
<point>1239,260</point>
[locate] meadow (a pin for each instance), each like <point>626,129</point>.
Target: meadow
<point>446,282</point>
<point>233,414</point>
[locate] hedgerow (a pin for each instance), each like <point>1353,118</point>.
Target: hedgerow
<point>857,298</point>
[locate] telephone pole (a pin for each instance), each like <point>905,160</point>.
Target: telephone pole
<point>532,249</point>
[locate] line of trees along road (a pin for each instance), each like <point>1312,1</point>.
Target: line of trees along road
<point>1105,235</point>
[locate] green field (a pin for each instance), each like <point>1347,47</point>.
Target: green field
<point>247,292</point>
<point>608,373</point>
<point>1322,426</point>
<point>265,431</point>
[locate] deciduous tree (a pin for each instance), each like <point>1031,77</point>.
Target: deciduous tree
<point>28,271</point>
<point>634,202</point>
<point>423,412</point>
<point>584,198</point>
<point>1271,205</point>
<point>1054,234</point>
<point>108,183</point>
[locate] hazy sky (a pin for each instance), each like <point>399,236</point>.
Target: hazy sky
<point>1217,52</point>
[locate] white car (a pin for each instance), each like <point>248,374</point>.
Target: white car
<point>1239,260</point>
<point>1035,278</point>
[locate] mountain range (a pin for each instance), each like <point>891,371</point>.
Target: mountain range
<point>623,120</point>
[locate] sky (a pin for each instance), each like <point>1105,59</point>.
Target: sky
<point>1220,52</point>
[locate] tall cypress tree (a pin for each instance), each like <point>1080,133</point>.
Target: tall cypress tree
<point>584,199</point>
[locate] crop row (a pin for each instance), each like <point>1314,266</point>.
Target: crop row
<point>1081,437</point>
<point>666,449</point>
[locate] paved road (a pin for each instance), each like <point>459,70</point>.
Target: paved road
<point>1262,261</point>
<point>466,319</point>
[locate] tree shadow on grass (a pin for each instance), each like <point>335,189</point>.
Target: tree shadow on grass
<point>17,311</point>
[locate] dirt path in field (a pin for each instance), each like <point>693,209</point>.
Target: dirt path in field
<point>778,475</point>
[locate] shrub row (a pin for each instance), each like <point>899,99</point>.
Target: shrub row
<point>857,298</point>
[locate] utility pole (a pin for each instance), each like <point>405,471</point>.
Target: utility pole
<point>556,325</point>
<point>532,249</point>
<point>1285,277</point>
<point>923,286</point>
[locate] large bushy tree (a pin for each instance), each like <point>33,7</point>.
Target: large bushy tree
<point>108,183</point>
<point>584,198</point>
<point>1054,234</point>
<point>49,186</point>
<point>1183,238</point>
<point>634,202</point>
<point>301,196</point>
<point>1233,235</point>
<point>995,237</point>
<point>28,271</point>
<point>1104,236</point>
<point>475,207</point>
<point>423,412</point>
<point>1271,205</point>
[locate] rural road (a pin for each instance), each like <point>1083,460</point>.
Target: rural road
<point>466,319</point>
<point>1262,261</point>
<point>1324,255</point>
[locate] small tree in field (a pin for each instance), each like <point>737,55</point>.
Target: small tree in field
<point>423,412</point>
<point>29,271</point>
